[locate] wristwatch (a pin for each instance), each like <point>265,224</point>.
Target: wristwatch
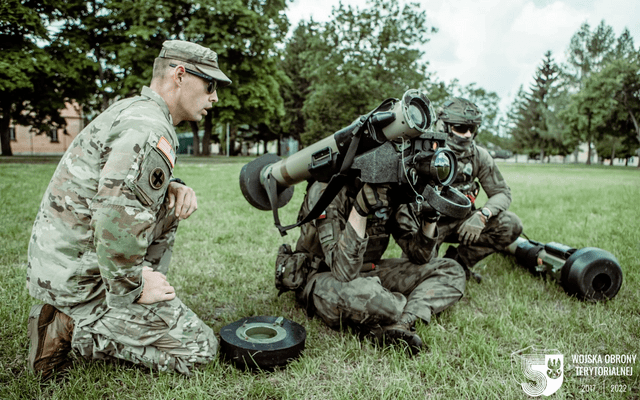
<point>486,212</point>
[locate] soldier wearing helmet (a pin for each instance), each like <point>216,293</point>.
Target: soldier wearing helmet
<point>486,228</point>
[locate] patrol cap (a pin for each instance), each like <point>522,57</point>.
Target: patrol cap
<point>203,59</point>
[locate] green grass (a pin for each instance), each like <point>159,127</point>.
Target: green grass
<point>223,269</point>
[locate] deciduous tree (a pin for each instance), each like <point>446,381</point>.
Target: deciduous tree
<point>364,57</point>
<point>612,97</point>
<point>38,72</point>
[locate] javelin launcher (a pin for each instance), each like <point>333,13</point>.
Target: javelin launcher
<point>392,144</point>
<point>589,273</point>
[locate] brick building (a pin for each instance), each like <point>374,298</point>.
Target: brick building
<point>25,142</point>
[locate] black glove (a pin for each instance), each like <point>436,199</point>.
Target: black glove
<point>470,230</point>
<point>373,199</point>
<point>426,213</point>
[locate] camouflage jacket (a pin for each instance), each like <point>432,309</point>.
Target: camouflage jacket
<point>346,254</point>
<point>481,166</point>
<point>90,235</point>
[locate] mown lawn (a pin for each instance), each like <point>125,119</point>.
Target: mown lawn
<point>223,269</point>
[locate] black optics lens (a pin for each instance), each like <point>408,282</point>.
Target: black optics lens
<point>417,115</point>
<point>438,167</point>
<point>442,165</point>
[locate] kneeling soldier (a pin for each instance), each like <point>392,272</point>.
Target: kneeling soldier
<point>103,237</point>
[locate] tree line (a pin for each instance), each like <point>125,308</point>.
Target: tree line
<point>593,98</point>
<point>307,84</point>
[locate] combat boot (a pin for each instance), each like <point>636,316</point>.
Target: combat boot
<point>452,253</point>
<point>50,334</point>
<point>403,332</point>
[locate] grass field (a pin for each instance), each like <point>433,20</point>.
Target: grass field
<point>223,266</point>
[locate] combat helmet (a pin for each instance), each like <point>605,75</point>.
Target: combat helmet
<point>458,111</point>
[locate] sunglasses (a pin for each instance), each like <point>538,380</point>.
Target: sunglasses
<point>463,128</point>
<point>213,84</point>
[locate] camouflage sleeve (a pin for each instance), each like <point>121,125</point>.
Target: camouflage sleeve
<point>498,193</point>
<point>160,251</point>
<point>131,188</point>
<point>342,247</point>
<point>407,232</point>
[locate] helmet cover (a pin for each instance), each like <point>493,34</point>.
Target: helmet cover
<point>460,111</point>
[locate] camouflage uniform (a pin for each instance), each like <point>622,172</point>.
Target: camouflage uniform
<point>503,228</point>
<point>102,219</point>
<point>353,285</point>
<point>460,119</point>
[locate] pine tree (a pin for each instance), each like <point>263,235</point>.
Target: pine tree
<point>534,127</point>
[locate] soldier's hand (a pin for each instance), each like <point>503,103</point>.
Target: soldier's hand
<point>372,199</point>
<point>156,287</point>
<point>183,199</point>
<point>426,213</point>
<point>470,230</point>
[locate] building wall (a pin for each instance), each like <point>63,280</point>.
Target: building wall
<point>27,142</point>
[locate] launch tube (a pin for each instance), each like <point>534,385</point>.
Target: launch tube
<point>589,273</point>
<point>411,117</point>
<point>392,144</point>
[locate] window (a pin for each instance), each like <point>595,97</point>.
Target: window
<point>54,135</point>
<point>12,133</point>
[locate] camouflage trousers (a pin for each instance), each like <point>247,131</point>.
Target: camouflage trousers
<point>393,287</point>
<point>500,231</point>
<point>165,336</point>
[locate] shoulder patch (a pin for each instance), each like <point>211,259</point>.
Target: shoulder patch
<point>157,178</point>
<point>165,147</point>
<point>150,179</point>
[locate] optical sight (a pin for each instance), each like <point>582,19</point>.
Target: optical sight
<point>391,144</point>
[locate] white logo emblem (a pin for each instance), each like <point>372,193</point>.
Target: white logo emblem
<point>539,372</point>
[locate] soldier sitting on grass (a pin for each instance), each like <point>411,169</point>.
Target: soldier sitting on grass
<point>349,284</point>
